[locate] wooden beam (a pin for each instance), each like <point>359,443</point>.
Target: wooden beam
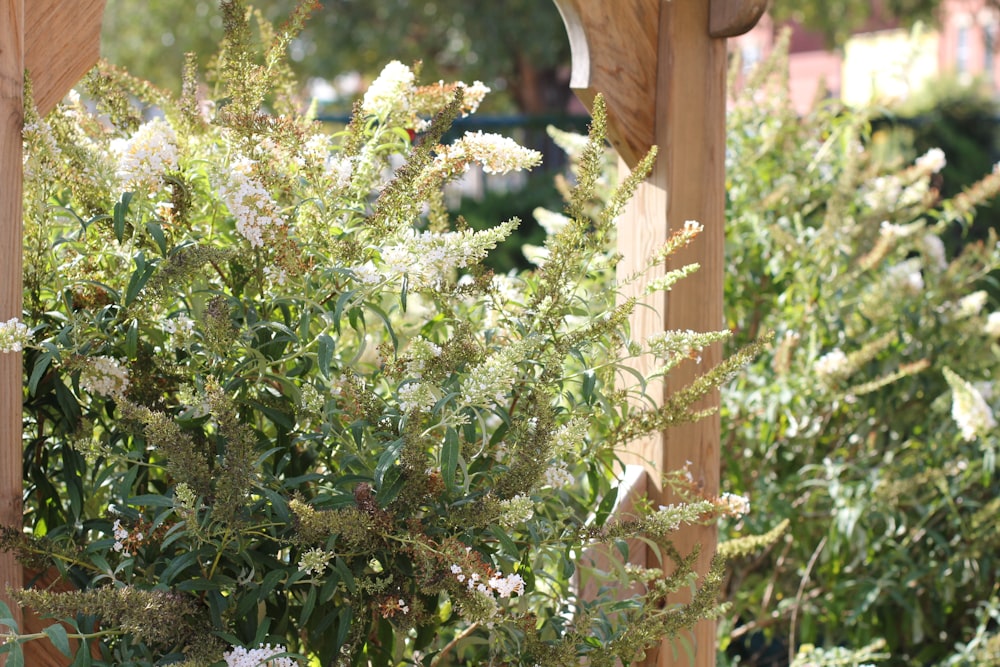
<point>687,183</point>
<point>11,176</point>
<point>62,42</point>
<point>691,133</point>
<point>613,46</point>
<point>730,18</point>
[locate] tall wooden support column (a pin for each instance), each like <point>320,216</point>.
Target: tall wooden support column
<point>11,121</point>
<point>57,41</point>
<point>661,65</point>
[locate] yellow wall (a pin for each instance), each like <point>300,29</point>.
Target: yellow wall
<point>887,65</point>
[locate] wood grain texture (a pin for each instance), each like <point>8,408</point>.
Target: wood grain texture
<point>691,103</point>
<point>11,177</point>
<point>730,18</point>
<point>62,41</point>
<point>687,184</point>
<point>614,53</point>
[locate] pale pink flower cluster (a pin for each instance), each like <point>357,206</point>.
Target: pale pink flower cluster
<point>262,656</point>
<point>255,211</point>
<point>502,586</point>
<point>496,153</point>
<point>390,91</point>
<point>13,335</point>
<point>144,157</point>
<point>968,407</point>
<point>105,376</point>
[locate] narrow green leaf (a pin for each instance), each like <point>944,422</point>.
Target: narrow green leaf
<point>607,504</point>
<point>449,458</point>
<point>156,231</point>
<point>325,354</point>
<point>121,209</point>
<point>59,638</point>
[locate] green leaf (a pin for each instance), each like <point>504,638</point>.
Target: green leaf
<point>324,354</point>
<point>607,504</point>
<point>59,638</point>
<point>132,339</point>
<point>156,231</point>
<point>121,209</point>
<point>16,656</point>
<point>139,278</point>
<point>449,458</point>
<point>387,460</point>
<point>41,364</point>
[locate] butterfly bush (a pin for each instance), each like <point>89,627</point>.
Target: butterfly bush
<point>871,422</point>
<point>277,412</point>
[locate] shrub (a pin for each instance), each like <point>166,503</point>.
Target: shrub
<point>274,402</point>
<point>869,424</point>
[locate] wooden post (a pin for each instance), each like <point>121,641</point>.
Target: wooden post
<point>58,41</point>
<point>661,65</point>
<point>11,121</point>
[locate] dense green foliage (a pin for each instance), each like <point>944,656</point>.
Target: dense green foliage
<point>869,424</point>
<point>518,47</point>
<point>273,396</point>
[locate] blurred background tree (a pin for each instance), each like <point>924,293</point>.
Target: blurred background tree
<point>517,47</point>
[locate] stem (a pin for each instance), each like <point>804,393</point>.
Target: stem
<point>447,649</point>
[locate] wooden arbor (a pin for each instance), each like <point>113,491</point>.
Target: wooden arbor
<point>661,66</point>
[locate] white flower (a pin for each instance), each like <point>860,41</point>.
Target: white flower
<point>473,95</point>
<point>314,561</point>
<point>516,510</point>
<point>992,327</point>
<point>105,376</point>
<point>262,656</point>
<point>181,326</point>
<point>496,153</point>
<point>120,536</point>
<point>968,407</point>
<point>421,351</point>
<point>13,335</point>
<point>489,382</point>
<point>734,505</point>
<point>403,607</point>
<point>677,345</point>
<point>416,396</point>
<point>934,250</point>
<point>906,276</point>
<point>932,161</point>
<point>390,91</point>
<point>556,475</point>
<point>256,213</point>
<point>144,157</point>
<point>693,227</point>
<point>507,586</point>
<point>971,304</point>
<point>831,364</point>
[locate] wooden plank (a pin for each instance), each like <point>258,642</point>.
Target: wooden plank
<point>613,46</point>
<point>730,18</point>
<point>11,177</point>
<point>62,42</point>
<point>691,108</point>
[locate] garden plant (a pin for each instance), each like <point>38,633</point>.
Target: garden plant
<point>869,424</point>
<point>277,412</point>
